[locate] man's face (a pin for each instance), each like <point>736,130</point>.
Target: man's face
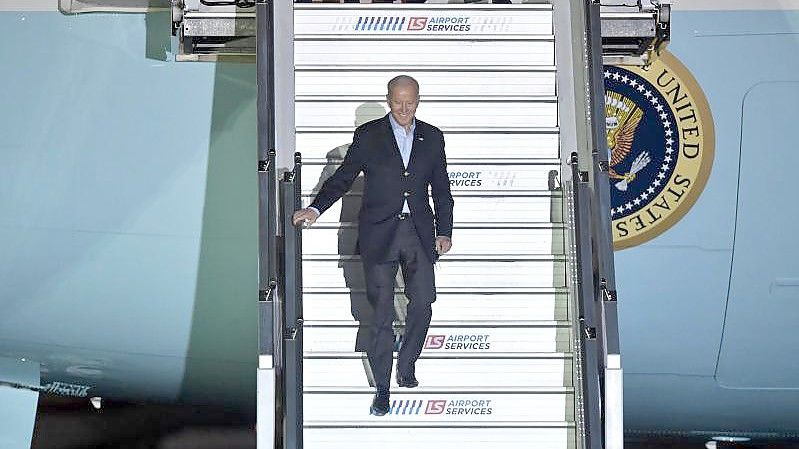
<point>403,101</point>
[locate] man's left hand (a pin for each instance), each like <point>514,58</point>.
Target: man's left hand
<point>443,244</point>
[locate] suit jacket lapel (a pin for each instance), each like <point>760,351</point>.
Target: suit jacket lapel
<point>416,146</point>
<point>391,144</point>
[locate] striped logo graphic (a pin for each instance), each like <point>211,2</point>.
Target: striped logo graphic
<point>381,23</point>
<point>405,407</point>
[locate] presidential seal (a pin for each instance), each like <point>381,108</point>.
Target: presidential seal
<point>660,143</point>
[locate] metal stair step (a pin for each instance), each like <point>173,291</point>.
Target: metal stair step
<point>483,82</point>
<point>463,177</point>
<point>332,146</point>
<point>491,37</point>
<point>357,54</point>
<point>488,258</point>
<point>451,355</point>
<point>340,113</point>
<point>446,372</point>
<point>490,337</point>
<point>501,227</point>
<point>410,67</point>
<point>441,405</point>
<point>477,97</point>
<point>453,306</point>
<point>386,22</point>
<point>446,129</point>
<point>485,271</point>
<point>358,435</point>
<point>341,240</point>
<point>455,290</point>
<point>422,390</point>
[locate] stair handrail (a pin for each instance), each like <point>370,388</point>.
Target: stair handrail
<point>291,318</point>
<point>588,400</point>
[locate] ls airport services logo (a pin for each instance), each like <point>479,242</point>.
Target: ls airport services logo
<point>458,342</point>
<point>660,141</point>
<point>415,407</point>
<point>436,24</point>
<point>433,24</point>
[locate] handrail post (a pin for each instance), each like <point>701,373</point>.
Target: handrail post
<point>267,231</point>
<point>586,330</point>
<point>291,200</point>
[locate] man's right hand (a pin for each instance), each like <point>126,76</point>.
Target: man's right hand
<point>305,217</point>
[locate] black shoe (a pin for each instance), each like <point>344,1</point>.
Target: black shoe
<point>379,403</point>
<point>407,381</point>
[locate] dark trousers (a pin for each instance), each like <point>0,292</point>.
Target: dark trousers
<point>417,271</point>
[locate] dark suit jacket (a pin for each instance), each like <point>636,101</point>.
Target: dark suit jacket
<point>388,183</point>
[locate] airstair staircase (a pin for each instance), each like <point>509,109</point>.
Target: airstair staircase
<point>496,369</point>
<point>518,353</point>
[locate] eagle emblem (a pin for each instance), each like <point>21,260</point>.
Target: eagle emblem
<point>622,117</point>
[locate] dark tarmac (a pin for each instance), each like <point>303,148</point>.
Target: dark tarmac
<point>65,423</point>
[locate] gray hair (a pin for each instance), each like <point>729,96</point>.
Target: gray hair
<point>400,80</point>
